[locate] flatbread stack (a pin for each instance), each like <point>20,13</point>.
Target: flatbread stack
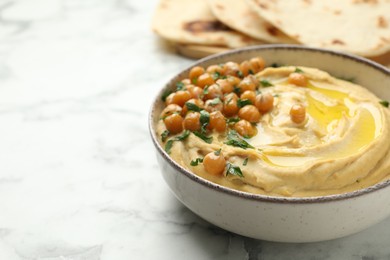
<point>203,27</point>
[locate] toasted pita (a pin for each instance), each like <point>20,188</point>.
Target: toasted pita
<point>188,21</point>
<point>238,15</point>
<point>357,26</point>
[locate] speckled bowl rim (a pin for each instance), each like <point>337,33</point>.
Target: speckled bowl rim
<point>252,196</point>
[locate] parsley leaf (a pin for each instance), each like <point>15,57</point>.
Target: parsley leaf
<point>181,137</point>
<point>298,70</point>
<point>216,75</point>
<point>384,103</point>
<point>236,90</point>
<point>232,120</point>
<point>215,101</point>
<point>234,140</point>
<point>243,102</point>
<point>206,90</point>
<point>218,152</point>
<point>240,74</point>
<point>204,118</point>
<point>166,94</point>
<point>207,139</point>
<point>196,161</point>
<point>192,107</point>
<point>179,86</point>
<point>168,146</point>
<point>245,161</point>
<point>265,83</point>
<point>164,135</point>
<point>233,170</point>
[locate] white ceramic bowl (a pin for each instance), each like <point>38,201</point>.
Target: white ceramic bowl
<point>279,218</point>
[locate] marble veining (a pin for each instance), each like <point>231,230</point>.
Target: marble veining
<point>78,174</point>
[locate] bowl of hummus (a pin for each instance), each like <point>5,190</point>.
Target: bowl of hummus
<point>277,142</point>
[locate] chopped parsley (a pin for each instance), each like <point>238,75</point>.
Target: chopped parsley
<point>234,140</point>
<point>196,161</point>
<point>164,135</point>
<point>181,137</point>
<point>215,101</point>
<point>236,90</point>
<point>232,120</point>
<point>240,74</point>
<point>384,103</point>
<point>206,90</point>
<point>166,94</point>
<point>207,139</point>
<point>251,72</point>
<point>218,152</point>
<point>245,161</point>
<point>179,86</point>
<point>216,75</point>
<point>233,170</point>
<point>265,83</point>
<point>243,102</point>
<point>204,119</point>
<point>192,107</point>
<point>298,70</point>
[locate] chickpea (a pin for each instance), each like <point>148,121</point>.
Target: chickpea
<point>179,97</point>
<point>249,113</point>
<point>174,123</point>
<point>250,95</point>
<point>217,121</point>
<point>257,64</point>
<point>231,68</point>
<point>233,80</point>
<point>298,113</point>
<point>297,79</point>
<point>230,107</point>
<point>245,68</point>
<point>195,91</point>
<point>171,109</point>
<point>216,68</point>
<point>264,102</point>
<point>192,121</point>
<point>225,85</point>
<point>214,91</point>
<point>247,84</point>
<point>212,105</point>
<point>244,128</point>
<point>205,80</point>
<point>214,163</point>
<point>186,81</point>
<point>169,99</point>
<point>198,102</point>
<point>195,72</point>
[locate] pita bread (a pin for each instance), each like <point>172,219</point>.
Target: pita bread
<point>238,15</point>
<point>188,21</point>
<point>198,51</point>
<point>357,26</point>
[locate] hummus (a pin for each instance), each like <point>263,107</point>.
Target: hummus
<point>342,145</point>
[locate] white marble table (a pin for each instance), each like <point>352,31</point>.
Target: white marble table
<point>78,174</point>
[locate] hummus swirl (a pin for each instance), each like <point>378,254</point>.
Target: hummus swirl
<point>342,145</point>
